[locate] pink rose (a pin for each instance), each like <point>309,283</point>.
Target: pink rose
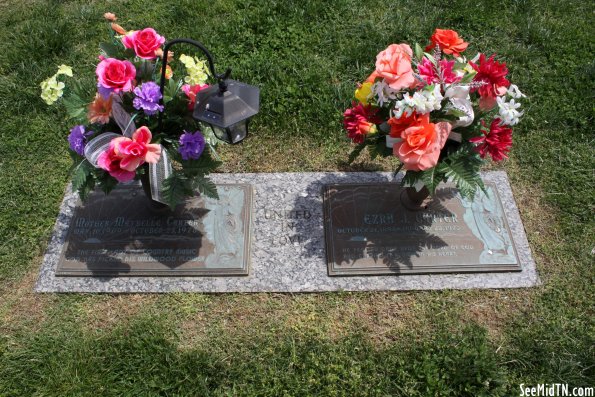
<point>115,74</point>
<point>422,141</point>
<point>145,42</point>
<point>110,162</point>
<point>125,155</point>
<point>394,66</point>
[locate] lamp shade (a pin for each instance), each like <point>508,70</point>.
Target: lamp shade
<point>228,110</point>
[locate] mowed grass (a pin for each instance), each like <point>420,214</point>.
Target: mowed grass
<point>306,57</point>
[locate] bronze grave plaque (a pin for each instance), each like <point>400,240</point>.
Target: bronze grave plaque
<point>369,231</point>
<point>121,235</point>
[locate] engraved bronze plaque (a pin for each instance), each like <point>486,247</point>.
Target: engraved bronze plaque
<point>121,235</point>
<point>370,230</point>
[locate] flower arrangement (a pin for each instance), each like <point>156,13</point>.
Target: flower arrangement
<point>116,136</point>
<point>438,113</point>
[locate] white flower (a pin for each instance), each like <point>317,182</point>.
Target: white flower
<point>514,92</point>
<point>460,100</point>
<point>508,111</point>
<point>383,92</point>
<point>422,102</point>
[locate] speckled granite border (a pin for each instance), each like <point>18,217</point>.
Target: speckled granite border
<point>294,260</point>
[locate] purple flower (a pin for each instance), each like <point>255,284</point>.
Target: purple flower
<point>147,98</point>
<point>104,91</point>
<point>191,145</point>
<point>78,138</point>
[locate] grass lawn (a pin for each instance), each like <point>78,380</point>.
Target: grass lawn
<point>306,56</point>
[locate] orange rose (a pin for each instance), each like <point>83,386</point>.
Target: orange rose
<point>398,125</point>
<point>448,41</point>
<point>394,66</point>
<point>422,141</point>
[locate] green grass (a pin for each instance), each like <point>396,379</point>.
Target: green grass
<point>306,57</point>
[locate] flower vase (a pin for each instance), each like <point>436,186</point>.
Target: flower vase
<point>415,200</point>
<point>146,184</point>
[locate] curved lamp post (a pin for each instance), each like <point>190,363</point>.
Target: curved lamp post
<point>226,107</point>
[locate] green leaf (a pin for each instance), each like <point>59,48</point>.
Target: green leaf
<point>411,178</point>
<point>81,175</point>
<point>145,71</point>
<point>455,112</point>
<point>76,107</point>
<point>467,78</point>
<point>419,52</point>
<point>111,50</point>
<point>431,59</point>
<point>205,186</point>
<point>171,89</point>
<point>355,152</point>
<point>175,189</point>
<point>462,168</point>
<point>107,184</point>
<point>431,179</point>
<point>201,167</point>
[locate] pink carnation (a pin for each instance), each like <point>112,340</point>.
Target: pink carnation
<point>360,121</point>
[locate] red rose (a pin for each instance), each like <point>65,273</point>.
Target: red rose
<point>115,74</point>
<point>145,42</point>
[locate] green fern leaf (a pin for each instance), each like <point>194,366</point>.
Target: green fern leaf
<point>201,167</point>
<point>206,187</point>
<point>175,189</point>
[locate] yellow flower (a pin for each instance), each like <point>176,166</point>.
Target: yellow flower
<point>51,90</point>
<point>196,69</point>
<point>469,69</point>
<point>364,93</point>
<point>64,69</point>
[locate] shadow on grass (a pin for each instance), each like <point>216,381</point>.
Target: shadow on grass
<point>141,359</point>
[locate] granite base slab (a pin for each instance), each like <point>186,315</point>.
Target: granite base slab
<point>288,248</point>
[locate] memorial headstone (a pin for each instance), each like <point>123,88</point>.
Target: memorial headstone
<point>370,231</point>
<point>122,235</point>
<point>287,251</point>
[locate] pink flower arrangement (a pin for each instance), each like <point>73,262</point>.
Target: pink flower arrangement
<point>112,141</point>
<point>415,102</point>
